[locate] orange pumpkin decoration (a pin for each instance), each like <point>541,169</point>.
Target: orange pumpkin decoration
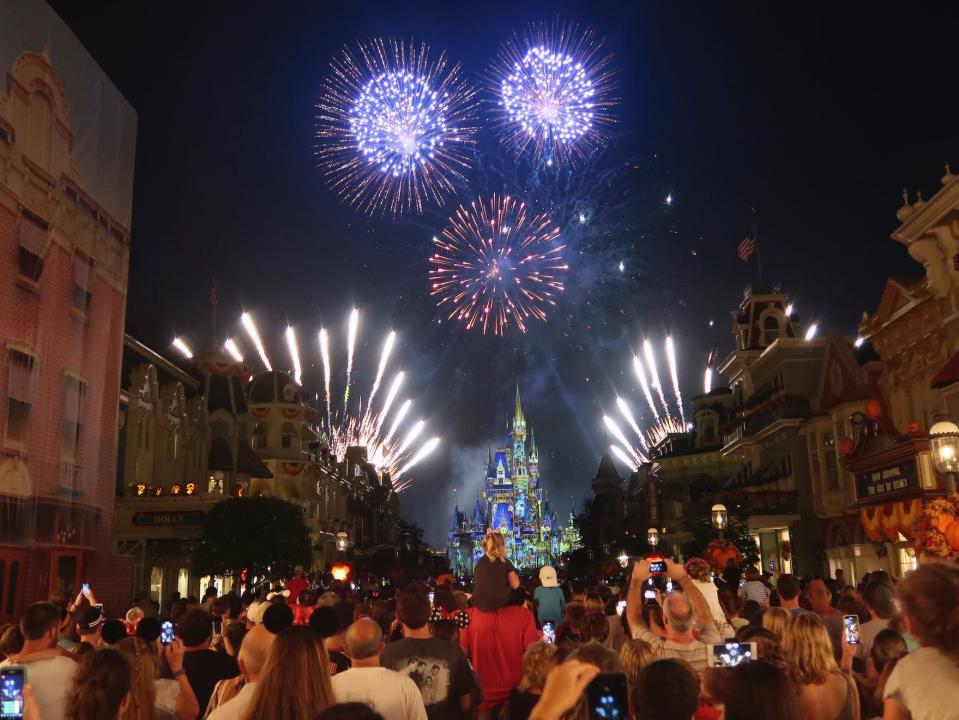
<point>874,409</point>
<point>846,446</point>
<point>943,523</point>
<point>952,535</point>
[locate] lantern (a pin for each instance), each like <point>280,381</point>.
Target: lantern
<point>720,517</point>
<point>342,541</point>
<point>623,559</point>
<point>652,537</point>
<point>944,445</point>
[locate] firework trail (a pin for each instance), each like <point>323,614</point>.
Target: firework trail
<point>628,414</point>
<point>413,433</point>
<point>350,347</point>
<point>708,381</point>
<point>641,374</point>
<point>394,129</point>
<point>624,458</point>
<point>180,345</point>
<point>294,355</point>
<point>554,92</point>
<point>674,375</point>
<point>327,374</point>
<point>618,434</point>
<point>231,347</point>
<point>497,262</point>
<point>404,409</point>
<point>390,396</point>
<point>247,320</point>
<point>384,358</point>
<point>653,374</point>
<point>427,448</point>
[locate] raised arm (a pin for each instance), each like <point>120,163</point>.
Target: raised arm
<point>634,596</point>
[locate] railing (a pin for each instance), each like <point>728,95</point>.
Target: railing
<point>791,408</point>
<point>71,478</point>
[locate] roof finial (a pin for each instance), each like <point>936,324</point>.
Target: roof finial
<point>948,177</point>
<point>903,213</point>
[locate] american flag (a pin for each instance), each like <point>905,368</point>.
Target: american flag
<point>748,245</point>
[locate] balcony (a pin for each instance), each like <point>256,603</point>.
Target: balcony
<point>760,418</point>
<point>71,478</point>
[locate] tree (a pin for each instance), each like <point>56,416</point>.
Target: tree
<point>265,536</point>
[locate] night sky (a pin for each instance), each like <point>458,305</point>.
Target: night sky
<point>816,117</point>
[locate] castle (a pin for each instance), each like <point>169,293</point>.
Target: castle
<point>513,502</point>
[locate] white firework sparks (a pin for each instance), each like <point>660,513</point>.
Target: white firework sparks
<point>294,355</point>
<point>247,321</point>
<point>674,375</point>
<point>653,373</point>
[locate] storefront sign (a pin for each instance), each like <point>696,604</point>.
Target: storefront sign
<point>156,518</point>
<point>887,481</point>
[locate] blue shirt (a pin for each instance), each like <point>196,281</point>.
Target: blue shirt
<point>549,604</point>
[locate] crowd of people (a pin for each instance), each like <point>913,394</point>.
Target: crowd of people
<point>442,650</point>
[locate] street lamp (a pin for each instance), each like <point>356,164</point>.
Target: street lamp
<point>342,541</point>
<point>720,519</point>
<point>944,444</point>
<point>652,537</point>
<point>623,559</point>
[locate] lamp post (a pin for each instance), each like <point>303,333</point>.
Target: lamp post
<point>944,444</point>
<point>652,537</point>
<point>720,519</point>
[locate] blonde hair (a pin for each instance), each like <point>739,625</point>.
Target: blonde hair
<point>635,655</point>
<point>775,620</point>
<point>809,650</point>
<point>142,705</point>
<point>295,682</point>
<point>930,598</point>
<point>538,660</point>
<point>494,545</point>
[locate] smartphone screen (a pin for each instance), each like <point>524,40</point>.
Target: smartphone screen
<point>731,654</point>
<point>12,680</point>
<point>608,697</point>
<point>549,633</point>
<point>432,595</point>
<point>620,607</point>
<point>85,588</point>
<point>650,594</point>
<point>850,624</point>
<point>657,566</point>
<point>166,632</point>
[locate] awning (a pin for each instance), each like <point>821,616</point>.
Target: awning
<point>948,374</point>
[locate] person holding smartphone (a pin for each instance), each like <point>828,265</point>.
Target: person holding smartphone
<point>682,612</point>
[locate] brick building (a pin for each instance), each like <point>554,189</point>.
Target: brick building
<point>64,249</point>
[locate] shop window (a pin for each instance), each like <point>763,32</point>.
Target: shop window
<point>832,462</point>
<point>288,436</point>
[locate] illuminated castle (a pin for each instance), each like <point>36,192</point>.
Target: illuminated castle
<point>514,503</point>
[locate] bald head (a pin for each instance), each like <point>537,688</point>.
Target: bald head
<point>254,651</point>
<point>364,639</point>
<point>678,612</point>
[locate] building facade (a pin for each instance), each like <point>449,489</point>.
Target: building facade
<point>65,195</point>
<point>514,503</point>
<point>192,434</point>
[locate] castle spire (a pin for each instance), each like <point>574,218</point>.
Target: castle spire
<point>518,416</point>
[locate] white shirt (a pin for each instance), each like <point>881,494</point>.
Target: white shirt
<point>867,635</point>
<point>926,685</point>
<point>392,695</point>
<point>235,708</point>
<point>52,683</point>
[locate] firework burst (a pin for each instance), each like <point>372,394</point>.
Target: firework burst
<point>497,263</point>
<point>394,129</point>
<point>554,91</point>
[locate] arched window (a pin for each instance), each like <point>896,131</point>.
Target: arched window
<point>258,437</point>
<point>40,130</point>
<point>288,439</point>
<point>709,431</point>
<point>175,442</point>
<point>770,329</point>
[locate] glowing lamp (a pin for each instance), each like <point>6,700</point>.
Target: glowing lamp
<point>652,537</point>
<point>340,571</point>
<point>944,444</point>
<point>623,559</point>
<point>720,518</point>
<point>342,541</point>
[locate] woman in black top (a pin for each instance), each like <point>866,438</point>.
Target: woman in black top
<point>494,577</point>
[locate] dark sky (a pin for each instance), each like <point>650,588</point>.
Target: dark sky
<point>815,115</point>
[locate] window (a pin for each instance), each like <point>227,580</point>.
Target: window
<point>74,390</point>
<point>815,468</point>
<point>19,393</point>
<point>32,239</point>
<point>770,329</point>
<point>259,436</point>
<point>288,436</point>
<point>81,282</point>
<point>832,462</point>
<point>40,130</point>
